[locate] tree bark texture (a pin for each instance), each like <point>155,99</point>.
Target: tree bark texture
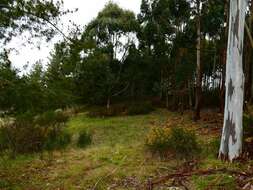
<point>231,141</point>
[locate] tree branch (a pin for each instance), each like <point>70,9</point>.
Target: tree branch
<point>45,19</point>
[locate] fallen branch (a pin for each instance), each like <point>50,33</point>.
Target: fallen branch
<point>181,175</point>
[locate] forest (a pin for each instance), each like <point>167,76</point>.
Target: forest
<point>158,100</point>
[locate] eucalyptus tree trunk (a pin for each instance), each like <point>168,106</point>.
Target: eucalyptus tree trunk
<point>198,71</point>
<point>231,141</point>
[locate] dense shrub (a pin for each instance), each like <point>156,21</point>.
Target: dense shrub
<point>29,134</point>
<point>140,108</point>
<point>22,137</point>
<point>56,140</point>
<point>84,139</point>
<point>183,143</point>
<point>51,118</point>
<point>177,141</point>
<point>3,140</point>
<point>158,140</point>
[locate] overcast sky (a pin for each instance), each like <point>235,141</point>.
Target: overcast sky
<point>88,9</point>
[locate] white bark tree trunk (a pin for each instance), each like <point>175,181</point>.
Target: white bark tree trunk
<point>231,141</point>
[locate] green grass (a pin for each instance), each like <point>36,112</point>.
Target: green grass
<point>118,145</point>
<point>116,130</point>
<point>214,182</point>
<point>117,154</point>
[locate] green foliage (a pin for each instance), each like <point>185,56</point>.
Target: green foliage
<point>3,141</point>
<point>95,77</point>
<point>84,139</point>
<point>22,137</point>
<point>214,146</point>
<point>210,148</point>
<point>37,14</point>
<point>101,71</point>
<point>60,86</point>
<point>248,125</point>
<point>112,20</point>
<point>105,63</point>
<point>29,133</point>
<point>157,140</point>
<point>184,143</point>
<point>51,118</point>
<point>177,141</point>
<point>225,181</point>
<point>56,140</point>
<point>4,184</point>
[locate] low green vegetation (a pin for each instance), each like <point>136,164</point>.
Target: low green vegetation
<point>115,152</point>
<point>84,139</point>
<point>176,141</point>
<point>122,67</point>
<point>214,182</point>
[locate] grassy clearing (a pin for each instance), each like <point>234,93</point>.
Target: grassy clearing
<point>117,150</point>
<point>116,159</point>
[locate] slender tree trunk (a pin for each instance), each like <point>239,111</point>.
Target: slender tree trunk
<point>199,73</point>
<point>224,58</point>
<point>223,79</point>
<point>161,84</point>
<point>251,67</point>
<point>190,93</point>
<point>167,99</point>
<point>108,104</point>
<point>231,141</point>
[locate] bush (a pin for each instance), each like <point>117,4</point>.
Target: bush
<point>3,140</point>
<point>140,108</point>
<point>29,134</point>
<point>51,118</point>
<point>183,143</point>
<point>22,137</point>
<point>56,140</point>
<point>84,139</point>
<point>158,140</point>
<point>177,141</point>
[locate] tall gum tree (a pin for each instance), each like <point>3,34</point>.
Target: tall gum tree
<point>231,141</point>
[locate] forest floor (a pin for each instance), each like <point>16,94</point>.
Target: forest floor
<point>117,159</point>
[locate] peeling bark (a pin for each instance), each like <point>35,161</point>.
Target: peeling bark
<point>231,141</point>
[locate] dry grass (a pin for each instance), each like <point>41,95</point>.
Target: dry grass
<point>117,159</point>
